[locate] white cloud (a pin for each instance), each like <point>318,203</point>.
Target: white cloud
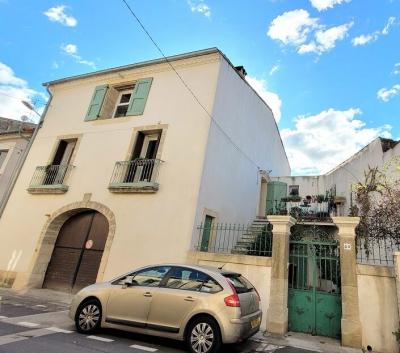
<point>396,69</point>
<point>391,21</point>
<point>274,69</point>
<point>322,5</point>
<point>72,51</point>
<point>57,14</point>
<point>325,40</point>
<point>199,6</point>
<point>271,98</point>
<point>13,90</point>
<point>318,143</point>
<point>386,94</point>
<point>364,39</point>
<point>292,27</point>
<point>374,36</point>
<point>298,29</point>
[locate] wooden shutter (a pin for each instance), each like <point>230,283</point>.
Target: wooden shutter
<point>96,103</point>
<point>139,96</point>
<point>109,103</point>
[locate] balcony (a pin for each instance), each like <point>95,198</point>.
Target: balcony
<point>50,179</point>
<point>137,176</point>
<point>318,208</point>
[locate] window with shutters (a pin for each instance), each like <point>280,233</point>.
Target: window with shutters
<point>117,101</point>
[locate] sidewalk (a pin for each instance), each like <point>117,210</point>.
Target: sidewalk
<point>273,343</point>
<point>57,299</point>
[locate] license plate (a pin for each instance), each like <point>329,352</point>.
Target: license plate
<point>256,322</point>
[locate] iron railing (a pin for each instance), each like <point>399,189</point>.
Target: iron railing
<point>242,239</point>
<point>303,210</point>
<point>50,175</point>
<point>137,171</point>
<point>376,251</point>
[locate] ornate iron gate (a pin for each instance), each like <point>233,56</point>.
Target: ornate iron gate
<point>314,282</point>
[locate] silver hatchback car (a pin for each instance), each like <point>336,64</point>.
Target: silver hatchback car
<point>204,306</point>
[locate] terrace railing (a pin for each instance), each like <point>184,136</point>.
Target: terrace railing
<point>376,251</point>
<point>242,239</point>
<point>303,210</point>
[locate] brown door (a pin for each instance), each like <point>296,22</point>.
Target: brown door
<point>77,253</point>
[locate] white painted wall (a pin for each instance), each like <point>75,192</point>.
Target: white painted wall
<point>230,184</point>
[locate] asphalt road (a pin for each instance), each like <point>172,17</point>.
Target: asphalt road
<point>29,325</point>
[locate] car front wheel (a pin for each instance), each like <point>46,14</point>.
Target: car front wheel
<point>203,336</point>
<point>88,316</point>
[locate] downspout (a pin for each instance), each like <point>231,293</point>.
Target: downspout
<point>24,155</point>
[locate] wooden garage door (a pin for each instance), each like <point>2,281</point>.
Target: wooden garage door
<point>77,253</point>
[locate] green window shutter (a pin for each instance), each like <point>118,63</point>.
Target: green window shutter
<point>96,103</point>
<point>139,96</point>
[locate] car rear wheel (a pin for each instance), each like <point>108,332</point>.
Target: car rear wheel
<point>88,316</point>
<point>203,336</point>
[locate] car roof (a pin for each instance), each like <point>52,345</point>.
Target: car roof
<point>212,269</point>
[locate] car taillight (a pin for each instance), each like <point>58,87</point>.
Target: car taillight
<point>233,299</point>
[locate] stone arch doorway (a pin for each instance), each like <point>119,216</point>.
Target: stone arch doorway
<point>34,277</point>
<point>77,252</point>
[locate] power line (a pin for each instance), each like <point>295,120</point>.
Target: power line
<point>186,85</point>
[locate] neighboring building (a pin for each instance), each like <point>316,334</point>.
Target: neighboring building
<point>128,163</point>
<point>14,139</point>
<point>336,185</point>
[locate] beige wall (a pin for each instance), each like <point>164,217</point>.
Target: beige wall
<point>255,268</point>
<point>149,227</point>
<point>378,307</point>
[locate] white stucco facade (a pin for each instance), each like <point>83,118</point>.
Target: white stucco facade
<point>199,170</point>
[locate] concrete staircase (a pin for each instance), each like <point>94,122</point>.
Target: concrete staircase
<point>245,243</point>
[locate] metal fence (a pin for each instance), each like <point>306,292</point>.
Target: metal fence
<point>376,251</point>
<point>303,210</point>
<point>252,239</point>
<point>50,175</point>
<point>136,171</point>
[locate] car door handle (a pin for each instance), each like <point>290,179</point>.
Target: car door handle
<point>190,299</point>
<point>147,294</point>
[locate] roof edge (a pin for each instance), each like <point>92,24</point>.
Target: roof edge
<point>176,57</point>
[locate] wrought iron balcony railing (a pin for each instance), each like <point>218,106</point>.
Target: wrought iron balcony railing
<point>138,175</point>
<point>50,177</point>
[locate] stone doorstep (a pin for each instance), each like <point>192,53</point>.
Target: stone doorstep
<point>304,341</point>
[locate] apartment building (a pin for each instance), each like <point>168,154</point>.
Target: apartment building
<point>129,161</point>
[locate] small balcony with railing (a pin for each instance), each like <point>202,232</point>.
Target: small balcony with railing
<point>50,179</point>
<point>137,176</point>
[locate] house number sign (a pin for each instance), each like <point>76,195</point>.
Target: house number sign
<point>347,246</point>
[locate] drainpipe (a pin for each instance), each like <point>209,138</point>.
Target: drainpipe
<point>24,156</point>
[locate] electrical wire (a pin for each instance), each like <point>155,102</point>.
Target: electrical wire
<point>187,86</point>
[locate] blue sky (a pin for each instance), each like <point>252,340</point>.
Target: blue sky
<point>330,69</point>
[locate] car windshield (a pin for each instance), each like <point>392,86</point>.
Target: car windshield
<point>241,284</point>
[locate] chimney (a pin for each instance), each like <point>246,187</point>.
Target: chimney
<point>241,71</point>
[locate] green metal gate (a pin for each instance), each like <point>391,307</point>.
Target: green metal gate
<point>314,282</point>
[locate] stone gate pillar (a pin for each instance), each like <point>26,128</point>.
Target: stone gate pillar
<point>351,325</point>
<point>277,313</point>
